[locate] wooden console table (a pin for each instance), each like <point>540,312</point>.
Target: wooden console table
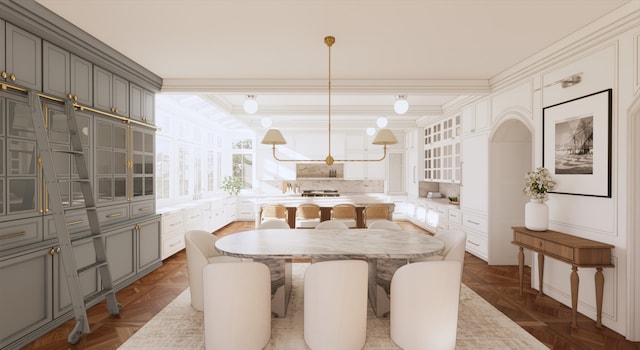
<point>576,251</point>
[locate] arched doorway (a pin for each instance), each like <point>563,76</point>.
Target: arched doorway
<point>510,158</point>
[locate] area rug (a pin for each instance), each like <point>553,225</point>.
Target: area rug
<point>480,326</point>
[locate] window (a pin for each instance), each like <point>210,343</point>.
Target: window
<point>242,161</point>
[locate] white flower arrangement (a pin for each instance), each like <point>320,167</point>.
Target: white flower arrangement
<point>538,183</point>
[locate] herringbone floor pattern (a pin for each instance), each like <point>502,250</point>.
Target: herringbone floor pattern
<point>546,319</point>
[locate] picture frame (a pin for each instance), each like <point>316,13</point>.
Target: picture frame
<point>576,144</point>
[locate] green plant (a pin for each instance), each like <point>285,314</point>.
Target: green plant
<point>453,198</point>
<point>231,185</point>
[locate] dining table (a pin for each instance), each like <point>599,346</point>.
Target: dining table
<point>385,250</point>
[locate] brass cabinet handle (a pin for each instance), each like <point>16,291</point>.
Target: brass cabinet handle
<point>3,75</point>
<point>144,209</point>
<point>114,215</point>
<point>12,77</point>
<point>12,235</point>
<point>74,223</point>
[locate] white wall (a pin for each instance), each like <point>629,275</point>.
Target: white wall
<point>607,55</point>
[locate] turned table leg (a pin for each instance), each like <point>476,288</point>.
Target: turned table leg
<point>521,268</point>
<point>575,282</point>
<point>599,278</point>
<point>540,272</point>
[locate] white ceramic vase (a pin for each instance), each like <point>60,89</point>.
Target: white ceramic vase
<point>536,215</point>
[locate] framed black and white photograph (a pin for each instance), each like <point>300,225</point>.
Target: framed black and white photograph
<point>576,144</point>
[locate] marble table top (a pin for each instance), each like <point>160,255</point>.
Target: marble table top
<point>329,243</point>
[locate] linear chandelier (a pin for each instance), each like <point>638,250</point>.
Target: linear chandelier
<point>384,137</point>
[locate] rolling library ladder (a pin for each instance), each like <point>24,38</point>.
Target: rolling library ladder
<point>78,300</point>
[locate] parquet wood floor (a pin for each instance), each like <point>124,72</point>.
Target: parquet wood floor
<point>546,319</point>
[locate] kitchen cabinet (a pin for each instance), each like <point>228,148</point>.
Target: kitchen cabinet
<point>359,147</point>
<point>172,233</point>
<point>442,151</point>
<point>66,75</point>
<point>28,298</point>
<point>3,65</point>
<point>110,92</point>
<point>111,161</point>
<point>142,104</point>
<point>475,118</point>
<point>475,173</point>
<point>143,162</point>
<point>148,235</point>
<point>23,197</point>
<point>23,58</point>
<point>89,280</point>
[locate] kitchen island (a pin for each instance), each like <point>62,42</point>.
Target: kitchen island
<point>325,203</point>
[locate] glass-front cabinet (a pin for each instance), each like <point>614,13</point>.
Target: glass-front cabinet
<point>442,150</point>
<point>111,161</point>
<point>20,195</point>
<point>143,160</point>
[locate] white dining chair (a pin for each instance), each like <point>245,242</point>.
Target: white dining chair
<point>273,224</point>
<point>200,248</point>
<point>424,305</point>
<point>331,224</point>
<point>335,305</point>
<point>455,242</point>
<point>385,224</point>
<point>237,306</point>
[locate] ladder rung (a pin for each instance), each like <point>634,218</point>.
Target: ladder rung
<point>95,265</point>
<point>98,294</point>
<point>67,151</point>
<point>73,180</point>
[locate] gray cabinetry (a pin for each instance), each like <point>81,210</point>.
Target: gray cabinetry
<point>23,55</point>
<point>110,92</point>
<point>19,171</point>
<point>142,104</point>
<point>120,246</point>
<point>65,75</point>
<point>26,291</point>
<point>111,161</point>
<point>89,280</point>
<point>142,159</point>
<point>149,249</point>
<point>3,65</point>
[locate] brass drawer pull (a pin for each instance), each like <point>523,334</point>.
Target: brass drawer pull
<point>114,215</point>
<point>12,235</point>
<point>144,209</point>
<point>74,223</point>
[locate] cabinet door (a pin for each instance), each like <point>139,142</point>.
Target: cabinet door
<point>2,48</point>
<point>82,80</point>
<point>102,89</point>
<point>22,167</point>
<point>56,77</point>
<point>85,255</point>
<point>120,246</point>
<point>26,300</point>
<point>148,243</point>
<point>120,96</point>
<point>23,58</point>
<point>111,161</point>
<point>475,172</point>
<point>136,106</point>
<point>148,107</point>
<point>143,155</point>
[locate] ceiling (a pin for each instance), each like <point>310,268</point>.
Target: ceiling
<point>434,51</point>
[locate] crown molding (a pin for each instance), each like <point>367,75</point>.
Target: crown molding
<point>307,86</point>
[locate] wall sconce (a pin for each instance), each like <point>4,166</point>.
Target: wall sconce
<point>401,106</point>
<point>571,81</point>
<point>250,104</point>
<point>384,137</point>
